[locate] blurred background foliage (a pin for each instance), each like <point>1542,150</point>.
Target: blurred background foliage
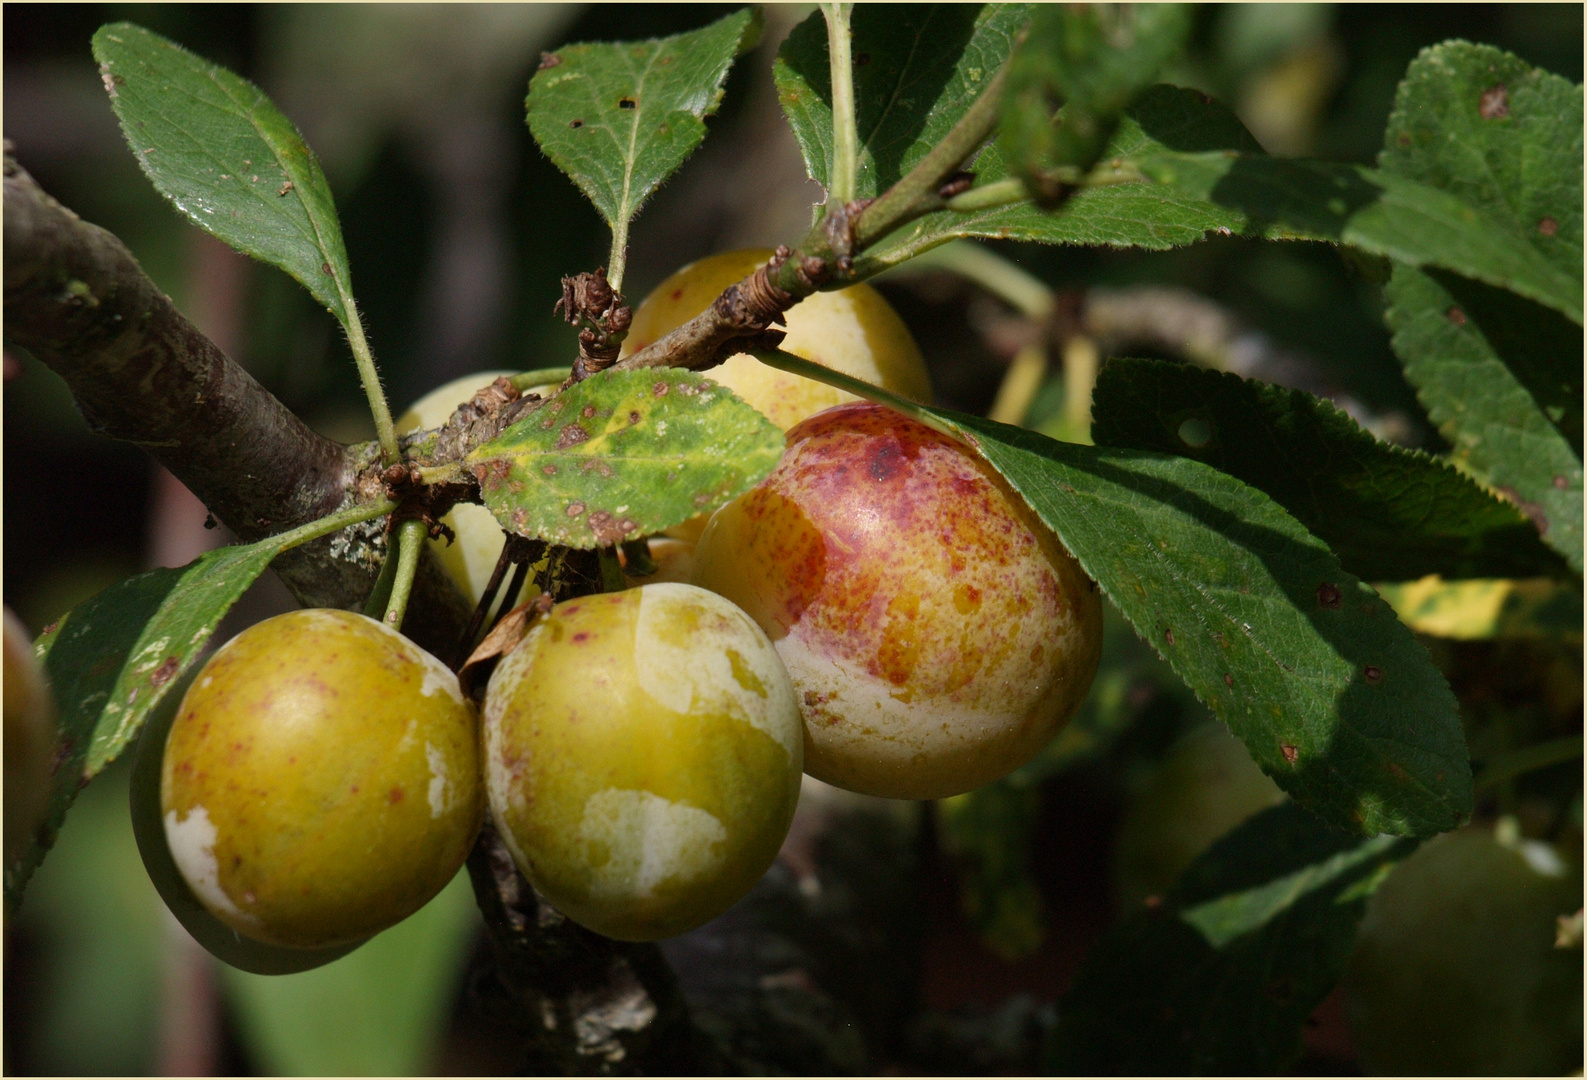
<point>458,231</point>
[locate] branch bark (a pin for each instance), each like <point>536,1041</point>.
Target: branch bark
<point>76,299</point>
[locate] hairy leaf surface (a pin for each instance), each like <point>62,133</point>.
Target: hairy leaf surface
<point>1328,690</point>
<point>114,658</point>
<point>620,117</point>
<point>623,454</point>
<point>1221,977</point>
<point>226,157</point>
<point>1389,513</point>
<point>917,69</point>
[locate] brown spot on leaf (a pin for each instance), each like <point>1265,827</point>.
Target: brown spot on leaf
<point>165,671</point>
<point>1404,139</point>
<point>1561,483</point>
<point>1456,316</point>
<point>571,435</point>
<point>575,509</point>
<point>587,412</point>
<point>1548,226</point>
<point>549,470</point>
<point>1290,753</point>
<point>1328,595</point>
<point>1532,510</point>
<point>1373,674</point>
<point>633,416</point>
<point>1168,635</point>
<point>660,389</point>
<point>1228,680</point>
<point>1495,103</point>
<point>548,60</point>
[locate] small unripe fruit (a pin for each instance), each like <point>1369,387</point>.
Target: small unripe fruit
<point>1455,971</point>
<point>30,735</point>
<point>1205,786</point>
<point>470,558</point>
<point>936,632</point>
<point>851,330</point>
<point>321,779</point>
<point>642,758</point>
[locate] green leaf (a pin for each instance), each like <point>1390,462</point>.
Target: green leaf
<point>228,159</point>
<point>1376,211</point>
<point>379,1012</point>
<point>917,69</point>
<point>1389,513</point>
<point>988,834</point>
<point>620,117</point>
<point>1501,135</point>
<point>1501,376</point>
<point>1328,690</point>
<point>1463,345</point>
<point>1163,119</point>
<point>1222,976</point>
<point>1092,59</point>
<point>113,658</point>
<point>624,454</point>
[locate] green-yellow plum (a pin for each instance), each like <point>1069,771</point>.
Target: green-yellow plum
<point>642,758</point>
<point>470,559</point>
<point>30,735</point>
<point>321,780</point>
<point>1205,786</point>
<point>851,330</point>
<point>1455,971</point>
<point>936,631</point>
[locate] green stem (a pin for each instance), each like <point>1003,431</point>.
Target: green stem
<point>989,196</point>
<point>843,176</point>
<point>617,261</point>
<point>526,380</point>
<point>1529,759</point>
<point>410,543</point>
<point>375,604</point>
<point>385,430</point>
<point>330,523</point>
<point>917,191</point>
<point>1004,279</point>
<point>798,365</point>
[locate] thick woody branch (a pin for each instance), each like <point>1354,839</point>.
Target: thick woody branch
<point>76,299</point>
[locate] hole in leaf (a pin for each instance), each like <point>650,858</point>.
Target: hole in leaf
<point>1195,433</point>
<point>625,103</point>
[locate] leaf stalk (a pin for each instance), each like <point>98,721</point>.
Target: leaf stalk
<point>410,543</point>
<point>843,176</point>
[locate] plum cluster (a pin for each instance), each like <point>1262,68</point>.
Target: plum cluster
<point>882,612</point>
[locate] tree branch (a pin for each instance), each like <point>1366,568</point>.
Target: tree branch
<point>76,299</point>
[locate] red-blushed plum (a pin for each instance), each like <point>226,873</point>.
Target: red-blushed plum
<point>321,780</point>
<point>642,758</point>
<point>936,632</point>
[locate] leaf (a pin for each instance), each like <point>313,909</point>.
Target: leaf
<point>619,118</point>
<point>1329,692</point>
<point>113,658</point>
<point>228,159</point>
<point>1145,215</point>
<point>1390,513</point>
<point>1499,375</point>
<point>379,1012</point>
<point>1476,610</point>
<point>988,833</point>
<point>917,69</point>
<point>1092,59</point>
<point>1463,345</point>
<point>624,454</point>
<point>1222,976</point>
<point>1375,211</point>
<point>1501,135</point>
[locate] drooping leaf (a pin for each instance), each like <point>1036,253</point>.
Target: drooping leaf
<point>623,454</point>
<point>1499,134</point>
<point>917,69</point>
<point>620,117</point>
<point>226,157</point>
<point>1462,344</point>
<point>1389,513</point>
<point>113,658</point>
<point>1499,374</point>
<point>379,1012</point>
<point>1135,214</point>
<point>1092,59</point>
<point>1379,212</point>
<point>1221,977</point>
<point>1329,692</point>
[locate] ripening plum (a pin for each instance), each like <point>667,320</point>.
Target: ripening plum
<point>321,779</point>
<point>30,735</point>
<point>1455,970</point>
<point>936,632</point>
<point>470,559</point>
<point>850,330</point>
<point>642,758</point>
